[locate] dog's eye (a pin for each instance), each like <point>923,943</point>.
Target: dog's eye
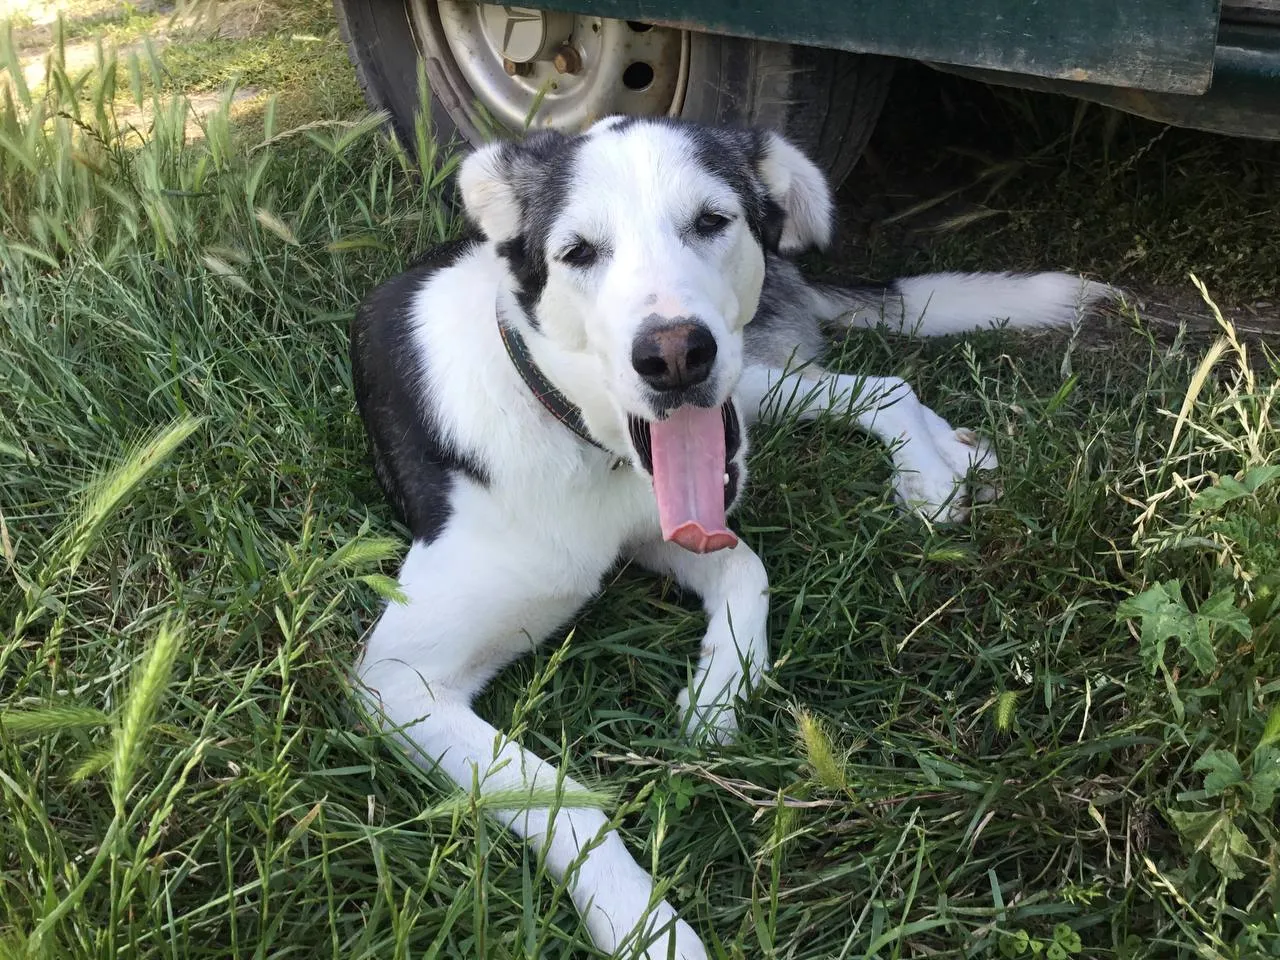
<point>709,223</point>
<point>581,254</point>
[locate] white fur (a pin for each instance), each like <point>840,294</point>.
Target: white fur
<point>945,303</point>
<point>520,555</point>
<point>487,195</point>
<point>803,192</point>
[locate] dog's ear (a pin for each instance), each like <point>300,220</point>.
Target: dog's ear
<point>800,190</point>
<point>488,192</point>
<point>499,181</point>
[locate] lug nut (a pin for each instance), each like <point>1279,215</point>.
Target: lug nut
<point>567,59</point>
<point>516,69</point>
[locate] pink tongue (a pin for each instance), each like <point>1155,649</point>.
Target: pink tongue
<point>688,478</point>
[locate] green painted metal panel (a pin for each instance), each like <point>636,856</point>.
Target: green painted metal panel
<point>1161,45</point>
<point>1244,100</point>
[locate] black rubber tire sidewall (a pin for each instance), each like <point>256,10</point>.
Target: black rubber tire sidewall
<point>381,44</point>
<point>825,101</point>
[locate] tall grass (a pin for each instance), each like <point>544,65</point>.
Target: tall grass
<point>1052,733</point>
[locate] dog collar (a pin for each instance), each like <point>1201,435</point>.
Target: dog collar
<point>557,403</point>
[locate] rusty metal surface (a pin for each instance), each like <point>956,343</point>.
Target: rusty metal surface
<point>1157,45</point>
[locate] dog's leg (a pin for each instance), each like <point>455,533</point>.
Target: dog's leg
<point>734,589</point>
<point>931,458</point>
<point>469,611</point>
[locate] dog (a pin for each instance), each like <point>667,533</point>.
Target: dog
<point>571,387</point>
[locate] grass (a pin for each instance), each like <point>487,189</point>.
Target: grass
<point>963,176</point>
<point>1055,732</point>
<point>257,52</point>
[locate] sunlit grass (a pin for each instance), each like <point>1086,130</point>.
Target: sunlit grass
<point>1053,732</point>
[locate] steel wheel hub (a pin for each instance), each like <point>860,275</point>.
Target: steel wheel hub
<point>523,67</point>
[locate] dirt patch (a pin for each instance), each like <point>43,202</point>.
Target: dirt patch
<point>199,107</point>
<point>35,21</point>
<point>96,28</point>
<point>89,22</point>
<point>77,58</point>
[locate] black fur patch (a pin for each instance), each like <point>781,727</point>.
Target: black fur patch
<point>530,271</point>
<point>539,170</point>
<point>732,441</point>
<point>733,157</point>
<point>771,224</point>
<point>731,490</point>
<point>414,465</point>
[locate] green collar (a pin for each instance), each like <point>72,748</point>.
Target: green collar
<point>557,403</point>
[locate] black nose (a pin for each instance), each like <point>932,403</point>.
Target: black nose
<point>674,356</point>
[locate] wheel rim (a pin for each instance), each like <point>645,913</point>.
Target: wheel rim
<point>517,67</point>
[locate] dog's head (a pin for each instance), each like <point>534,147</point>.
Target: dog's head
<point>640,247</point>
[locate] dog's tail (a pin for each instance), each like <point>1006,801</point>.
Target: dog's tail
<point>937,304</point>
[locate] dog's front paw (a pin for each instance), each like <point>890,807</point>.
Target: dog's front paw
<point>616,898</point>
<point>679,942</point>
<point>708,721</point>
<point>931,469</point>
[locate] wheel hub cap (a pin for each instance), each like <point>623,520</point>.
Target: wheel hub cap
<point>525,35</point>
<point>523,67</point>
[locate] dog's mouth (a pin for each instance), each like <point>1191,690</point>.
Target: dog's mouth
<point>690,455</point>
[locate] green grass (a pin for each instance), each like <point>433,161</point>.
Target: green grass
<point>294,53</point>
<point>1053,732</point>
<point>257,50</point>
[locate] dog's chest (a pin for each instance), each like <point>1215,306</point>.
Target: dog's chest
<point>584,518</point>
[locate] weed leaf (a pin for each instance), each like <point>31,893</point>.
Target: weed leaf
<point>1264,779</point>
<point>1215,834</point>
<point>1163,616</point>
<point>1223,771</point>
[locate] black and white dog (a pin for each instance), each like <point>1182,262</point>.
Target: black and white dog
<point>572,388</point>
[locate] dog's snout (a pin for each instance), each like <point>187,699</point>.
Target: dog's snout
<point>675,355</point>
